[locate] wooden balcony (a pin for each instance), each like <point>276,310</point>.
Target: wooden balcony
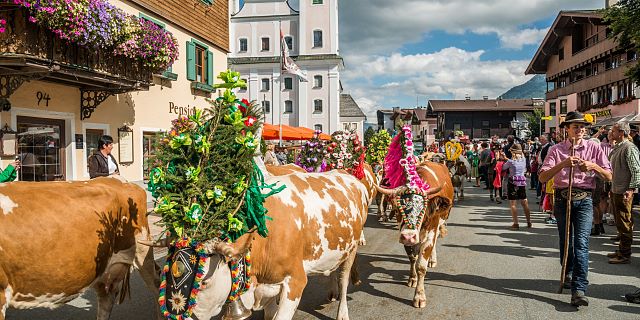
<point>601,79</point>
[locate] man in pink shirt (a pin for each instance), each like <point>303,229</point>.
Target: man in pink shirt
<point>589,160</point>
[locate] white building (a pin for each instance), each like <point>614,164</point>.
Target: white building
<point>312,37</point>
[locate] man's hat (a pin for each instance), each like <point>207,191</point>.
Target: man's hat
<point>574,117</point>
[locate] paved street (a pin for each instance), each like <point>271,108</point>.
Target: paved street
<point>485,271</point>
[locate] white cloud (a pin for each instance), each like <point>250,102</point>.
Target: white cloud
<point>450,72</point>
<point>514,38</point>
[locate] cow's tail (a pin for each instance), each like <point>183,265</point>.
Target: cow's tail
<point>125,288</point>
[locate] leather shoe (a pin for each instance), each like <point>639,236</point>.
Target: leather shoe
<point>633,297</point>
<point>613,254</point>
<point>578,299</point>
<point>620,260</point>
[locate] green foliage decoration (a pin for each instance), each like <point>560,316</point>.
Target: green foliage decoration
<point>378,147</point>
<point>623,19</point>
<point>368,134</point>
<point>204,179</point>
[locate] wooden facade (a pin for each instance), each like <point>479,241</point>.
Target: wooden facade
<point>207,18</point>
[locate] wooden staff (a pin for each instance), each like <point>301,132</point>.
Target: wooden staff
<point>567,227</point>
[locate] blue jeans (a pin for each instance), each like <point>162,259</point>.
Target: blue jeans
<point>581,219</point>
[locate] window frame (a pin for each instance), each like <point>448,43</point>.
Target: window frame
<point>246,43</point>
<point>317,2</point>
<point>317,79</point>
<point>288,40</point>
<point>266,106</point>
<point>563,106</point>
<point>289,106</point>
<point>262,44</point>
<point>315,45</point>
<point>315,106</point>
<point>290,81</point>
<point>201,68</point>
<point>264,81</point>
<point>317,127</point>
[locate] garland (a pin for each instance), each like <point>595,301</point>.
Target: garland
<point>240,277</point>
<point>415,183</point>
<point>189,304</point>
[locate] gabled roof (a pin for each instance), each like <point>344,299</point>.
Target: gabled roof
<point>420,114</point>
<point>349,107</point>
<point>561,27</point>
<point>482,105</point>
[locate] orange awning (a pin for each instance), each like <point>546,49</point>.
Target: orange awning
<point>272,132</point>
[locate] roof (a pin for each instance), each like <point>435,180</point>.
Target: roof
<point>561,27</point>
<point>349,107</point>
<point>385,111</point>
<point>482,105</point>
<point>420,114</point>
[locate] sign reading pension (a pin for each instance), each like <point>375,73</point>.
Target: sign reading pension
<point>603,113</point>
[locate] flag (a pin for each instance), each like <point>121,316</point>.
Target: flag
<point>287,63</point>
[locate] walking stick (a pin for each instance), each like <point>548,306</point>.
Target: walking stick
<point>567,220</point>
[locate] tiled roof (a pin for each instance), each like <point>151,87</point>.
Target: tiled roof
<point>482,105</point>
<point>349,107</point>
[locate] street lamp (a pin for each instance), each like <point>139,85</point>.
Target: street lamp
<point>519,125</point>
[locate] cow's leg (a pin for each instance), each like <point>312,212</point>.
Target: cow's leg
<point>5,294</point>
<point>113,283</point>
<point>345,272</point>
<point>420,298</point>
<point>149,272</point>
<point>433,259</point>
<point>413,257</point>
<point>290,295</point>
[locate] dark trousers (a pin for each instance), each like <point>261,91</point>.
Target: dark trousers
<point>534,181</point>
<point>580,230</point>
<point>624,222</point>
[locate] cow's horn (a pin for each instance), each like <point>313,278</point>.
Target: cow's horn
<point>162,243</point>
<point>391,192</point>
<point>434,190</point>
<point>217,246</point>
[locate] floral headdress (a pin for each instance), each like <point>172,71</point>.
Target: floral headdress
<point>346,152</point>
<point>312,157</point>
<point>400,163</point>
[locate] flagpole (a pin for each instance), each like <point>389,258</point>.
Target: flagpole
<point>280,81</point>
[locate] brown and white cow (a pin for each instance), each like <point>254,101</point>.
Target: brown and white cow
<point>420,242</point>
<point>59,238</point>
<point>316,223</point>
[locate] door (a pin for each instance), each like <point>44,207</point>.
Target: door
<point>41,149</point>
<point>149,140</point>
<point>91,144</point>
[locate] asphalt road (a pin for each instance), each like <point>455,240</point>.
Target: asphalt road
<point>485,271</point>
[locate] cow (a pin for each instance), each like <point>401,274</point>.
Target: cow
<point>315,227</point>
<point>458,171</point>
<point>59,238</point>
<point>283,169</point>
<point>420,242</point>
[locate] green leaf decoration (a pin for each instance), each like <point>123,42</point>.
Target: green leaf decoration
<point>378,147</point>
<point>203,177</point>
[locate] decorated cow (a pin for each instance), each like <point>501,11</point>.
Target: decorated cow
<point>423,196</point>
<point>240,237</point>
<point>59,238</point>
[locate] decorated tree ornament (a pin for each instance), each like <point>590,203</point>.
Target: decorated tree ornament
<point>347,153</point>
<point>312,156</point>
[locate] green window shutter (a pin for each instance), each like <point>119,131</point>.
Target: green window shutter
<point>191,61</point>
<point>210,75</point>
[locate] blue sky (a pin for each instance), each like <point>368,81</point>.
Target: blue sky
<point>397,51</point>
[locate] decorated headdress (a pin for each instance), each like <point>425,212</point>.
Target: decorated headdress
<point>400,163</point>
<point>347,152</point>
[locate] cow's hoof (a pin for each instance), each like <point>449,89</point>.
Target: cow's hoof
<point>362,242</point>
<point>333,296</point>
<point>432,264</point>
<point>413,282</point>
<point>419,302</point>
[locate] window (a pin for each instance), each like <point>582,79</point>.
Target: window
<point>456,127</point>
<point>149,139</point>
<point>266,106</point>
<point>316,2</point>
<point>317,106</point>
<point>317,127</point>
<point>91,142</point>
<point>317,39</point>
<point>563,106</point>
<point>288,83</point>
<point>485,123</point>
<point>289,41</point>
<point>552,109</point>
<point>486,133</point>
<point>317,81</point>
<point>243,47</point>
<point>561,54</point>
<point>199,63</point>
<point>265,44</point>
<point>207,2</point>
<point>245,88</point>
<point>265,85</point>
<point>632,55</point>
<point>288,106</point>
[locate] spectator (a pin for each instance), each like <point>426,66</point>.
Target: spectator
<point>484,161</point>
<point>625,164</point>
<point>506,149</point>
<point>497,181</point>
<point>517,185</point>
<point>270,156</point>
<point>10,173</point>
<point>102,163</point>
<point>589,160</point>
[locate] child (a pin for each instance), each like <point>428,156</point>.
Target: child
<point>547,202</point>
<point>497,180</point>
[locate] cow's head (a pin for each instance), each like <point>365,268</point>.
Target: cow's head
<point>413,207</point>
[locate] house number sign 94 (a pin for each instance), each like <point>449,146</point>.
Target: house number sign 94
<point>43,97</point>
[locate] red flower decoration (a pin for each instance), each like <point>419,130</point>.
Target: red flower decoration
<point>250,121</point>
<point>244,103</point>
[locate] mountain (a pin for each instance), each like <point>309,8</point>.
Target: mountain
<point>534,88</point>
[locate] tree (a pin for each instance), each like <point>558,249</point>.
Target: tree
<point>367,136</point>
<point>534,121</point>
<point>623,20</point>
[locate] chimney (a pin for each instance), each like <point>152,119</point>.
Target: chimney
<point>610,3</point>
<point>485,97</point>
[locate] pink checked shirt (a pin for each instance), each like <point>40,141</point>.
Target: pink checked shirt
<point>586,150</point>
